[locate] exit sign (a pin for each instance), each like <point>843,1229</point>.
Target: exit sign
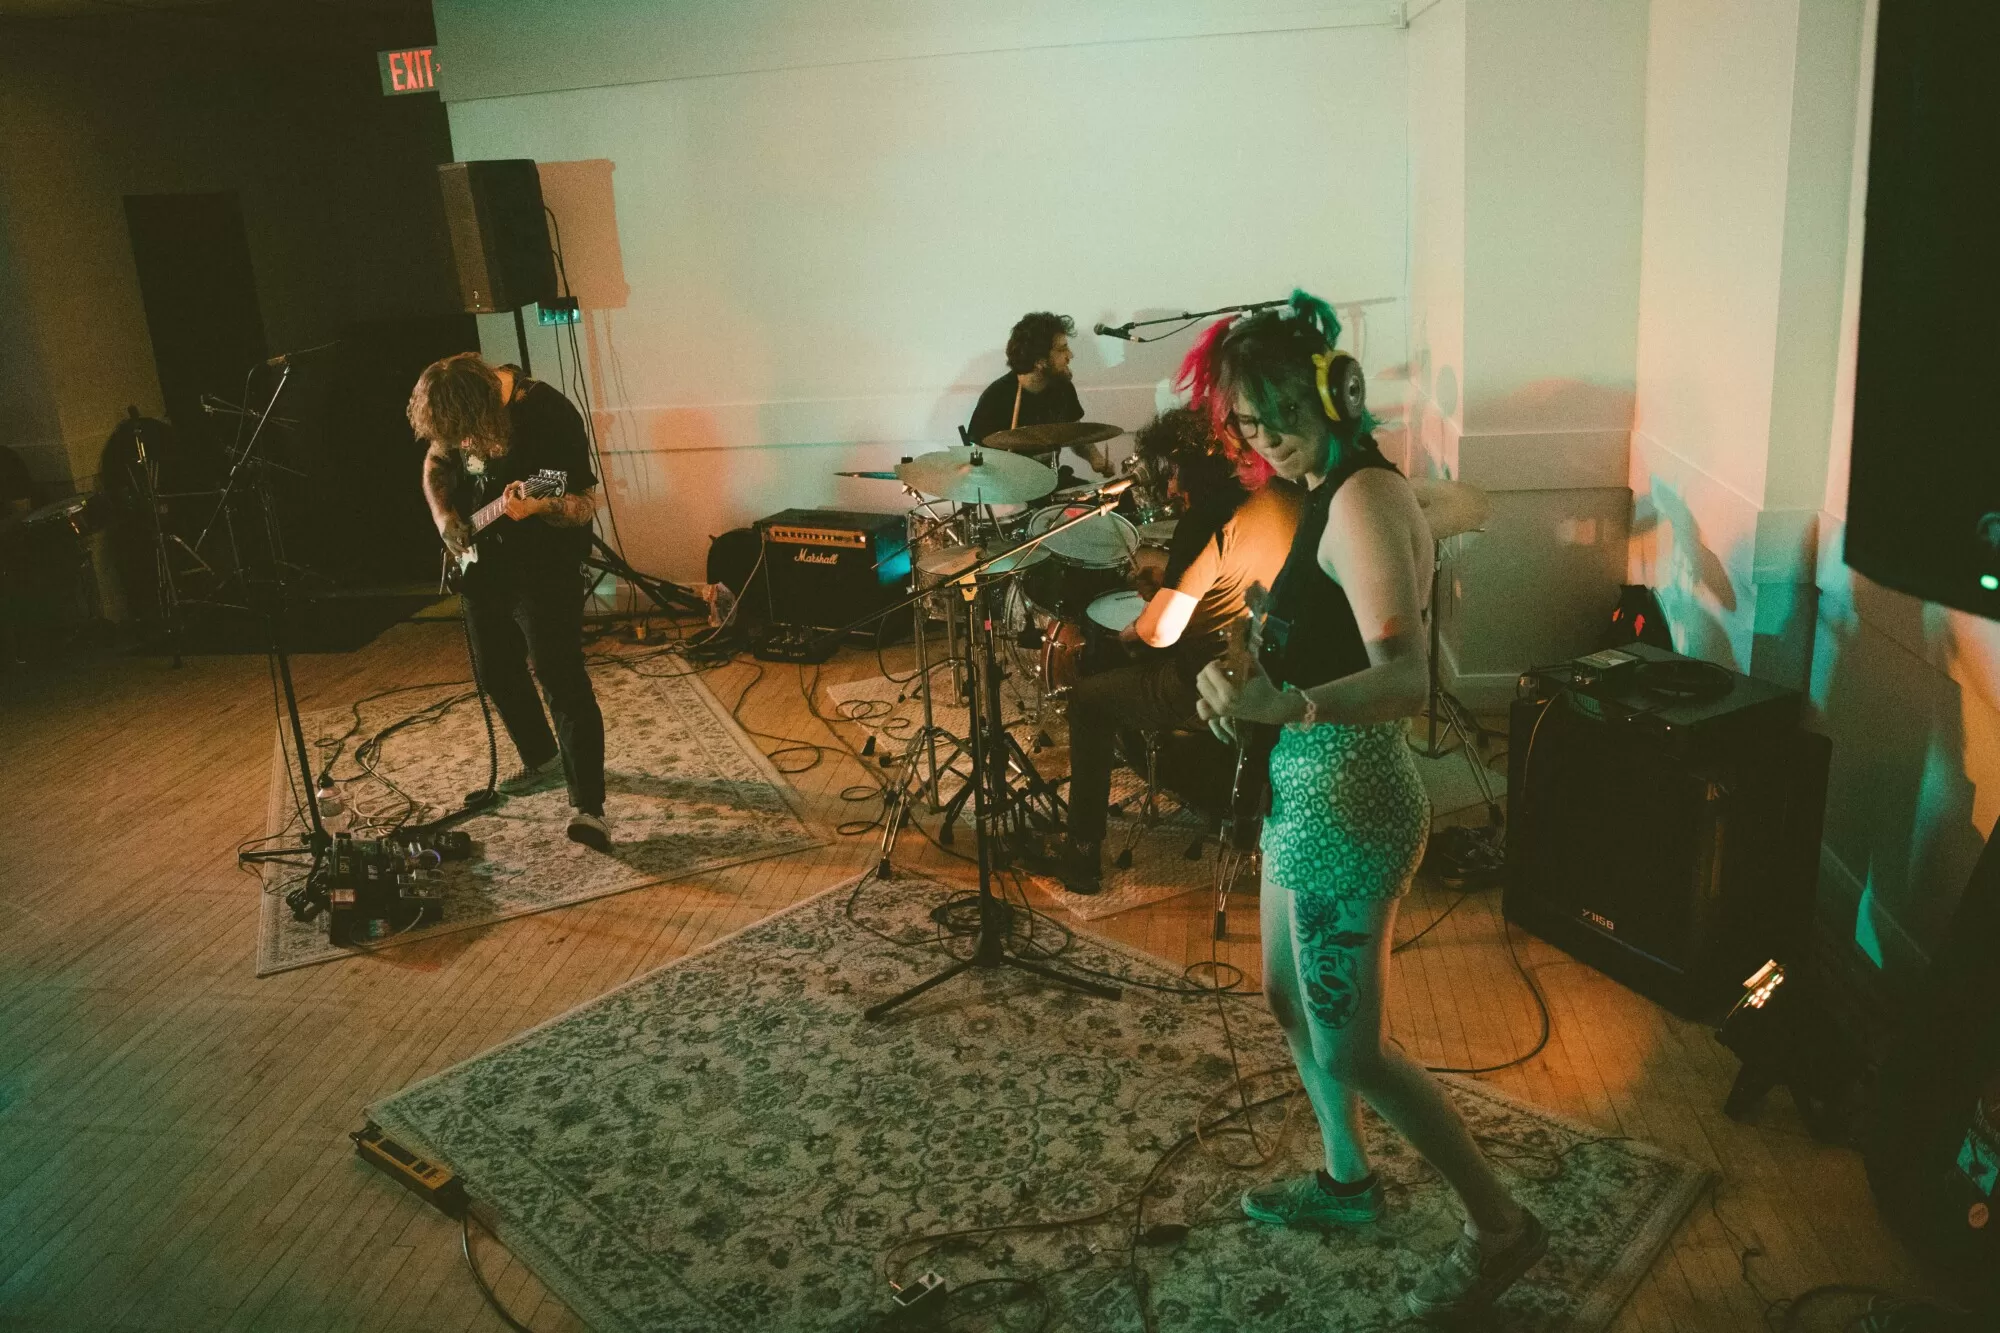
<point>412,71</point>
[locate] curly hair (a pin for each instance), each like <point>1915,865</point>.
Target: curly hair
<point>1182,443</point>
<point>1032,337</point>
<point>458,399</point>
<point>1268,358</point>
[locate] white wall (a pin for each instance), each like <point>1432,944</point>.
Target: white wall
<point>1526,160</point>
<point>1909,690</point>
<point>1756,170</point>
<point>813,265</point>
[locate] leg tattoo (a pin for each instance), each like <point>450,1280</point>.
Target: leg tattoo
<point>1328,956</point>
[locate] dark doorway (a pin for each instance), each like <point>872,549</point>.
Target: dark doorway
<point>201,305</point>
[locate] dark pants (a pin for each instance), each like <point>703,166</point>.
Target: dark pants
<point>513,621</point>
<point>1154,693</point>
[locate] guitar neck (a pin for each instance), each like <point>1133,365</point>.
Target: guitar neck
<point>488,515</point>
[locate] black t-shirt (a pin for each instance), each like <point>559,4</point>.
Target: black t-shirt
<point>1219,549</point>
<point>547,434</point>
<point>995,411</point>
<point>1311,635</point>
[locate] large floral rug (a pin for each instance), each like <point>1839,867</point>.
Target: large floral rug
<point>727,1144</point>
<point>686,791</point>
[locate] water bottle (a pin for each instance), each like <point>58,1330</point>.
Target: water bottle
<point>333,810</point>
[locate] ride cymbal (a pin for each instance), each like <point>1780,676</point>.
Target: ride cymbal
<point>1053,436</point>
<point>1450,507</point>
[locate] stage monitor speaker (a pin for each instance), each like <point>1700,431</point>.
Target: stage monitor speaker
<point>1671,844</point>
<point>499,234</point>
<point>1923,496</point>
<point>825,568</point>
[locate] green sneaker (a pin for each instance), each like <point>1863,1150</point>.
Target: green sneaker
<point>1302,1202</point>
<point>1467,1279</point>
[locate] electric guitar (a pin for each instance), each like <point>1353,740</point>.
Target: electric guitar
<point>549,483</point>
<point>1250,788</point>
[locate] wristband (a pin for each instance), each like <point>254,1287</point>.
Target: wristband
<point>1311,717</point>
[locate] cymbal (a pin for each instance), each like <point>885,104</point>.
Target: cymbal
<point>1160,530</point>
<point>872,476</point>
<point>977,476</point>
<point>1450,507</point>
<point>1056,435</point>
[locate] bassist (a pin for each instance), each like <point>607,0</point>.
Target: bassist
<point>490,430</point>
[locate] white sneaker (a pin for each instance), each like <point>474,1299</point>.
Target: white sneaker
<point>590,830</point>
<point>526,779</point>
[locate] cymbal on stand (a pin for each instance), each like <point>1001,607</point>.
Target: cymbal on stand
<point>1047,439</point>
<point>975,475</point>
<point>1450,507</point>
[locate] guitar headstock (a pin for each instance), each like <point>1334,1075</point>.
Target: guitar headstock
<point>548,484</point>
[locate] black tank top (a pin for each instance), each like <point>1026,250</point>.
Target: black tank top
<point>1310,634</point>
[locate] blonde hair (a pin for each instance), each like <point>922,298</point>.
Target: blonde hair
<point>458,400</point>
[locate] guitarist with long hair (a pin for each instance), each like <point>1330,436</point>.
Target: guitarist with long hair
<point>513,451</point>
<point>1342,664</point>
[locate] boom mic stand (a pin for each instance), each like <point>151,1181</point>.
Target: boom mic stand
<point>277,608</point>
<point>991,795</point>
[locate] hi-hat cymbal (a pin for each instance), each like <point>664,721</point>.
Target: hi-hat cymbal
<point>1056,435</point>
<point>1450,507</point>
<point>978,476</point>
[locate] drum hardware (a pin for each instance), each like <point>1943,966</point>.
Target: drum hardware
<point>996,806</point>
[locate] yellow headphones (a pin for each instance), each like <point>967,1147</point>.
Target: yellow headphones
<point>1343,391</point>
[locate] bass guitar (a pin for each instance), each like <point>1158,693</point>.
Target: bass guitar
<point>1250,788</point>
<point>547,484</point>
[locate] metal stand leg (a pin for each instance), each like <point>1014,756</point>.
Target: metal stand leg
<point>1229,866</point>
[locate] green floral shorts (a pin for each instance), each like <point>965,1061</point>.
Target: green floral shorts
<point>1349,814</point>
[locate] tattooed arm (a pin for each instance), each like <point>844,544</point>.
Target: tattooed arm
<point>572,511</point>
<point>440,472</point>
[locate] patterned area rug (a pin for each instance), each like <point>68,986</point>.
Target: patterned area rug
<point>686,791</point>
<point>1160,866</point>
<point>726,1144</point>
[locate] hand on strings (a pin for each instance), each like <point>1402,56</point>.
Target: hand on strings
<point>1240,689</point>
<point>457,534</point>
<point>519,503</point>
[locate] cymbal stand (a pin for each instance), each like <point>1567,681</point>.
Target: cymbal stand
<point>990,797</point>
<point>1444,713</point>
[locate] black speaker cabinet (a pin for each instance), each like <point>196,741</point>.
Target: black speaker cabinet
<point>499,234</point>
<point>825,568</point>
<point>1923,496</point>
<point>1672,845</point>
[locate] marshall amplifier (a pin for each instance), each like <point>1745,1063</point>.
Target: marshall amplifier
<point>825,568</point>
<point>1669,839</point>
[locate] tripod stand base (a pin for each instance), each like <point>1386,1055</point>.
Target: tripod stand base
<point>1003,959</point>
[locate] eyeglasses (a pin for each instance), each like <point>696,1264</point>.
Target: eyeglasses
<point>1284,421</point>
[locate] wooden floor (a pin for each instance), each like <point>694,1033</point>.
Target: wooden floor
<point>173,1150</point>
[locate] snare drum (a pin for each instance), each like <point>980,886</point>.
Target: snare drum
<point>1117,611</point>
<point>1084,562</point>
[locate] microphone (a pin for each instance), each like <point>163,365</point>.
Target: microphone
<point>1106,331</point>
<point>286,358</point>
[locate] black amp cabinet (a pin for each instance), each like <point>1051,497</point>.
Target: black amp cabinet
<point>825,568</point>
<point>1671,842</point>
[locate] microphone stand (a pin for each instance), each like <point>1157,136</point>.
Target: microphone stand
<point>990,793</point>
<point>1186,317</point>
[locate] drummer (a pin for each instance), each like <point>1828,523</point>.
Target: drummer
<point>1228,539</point>
<point>1037,389</point>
